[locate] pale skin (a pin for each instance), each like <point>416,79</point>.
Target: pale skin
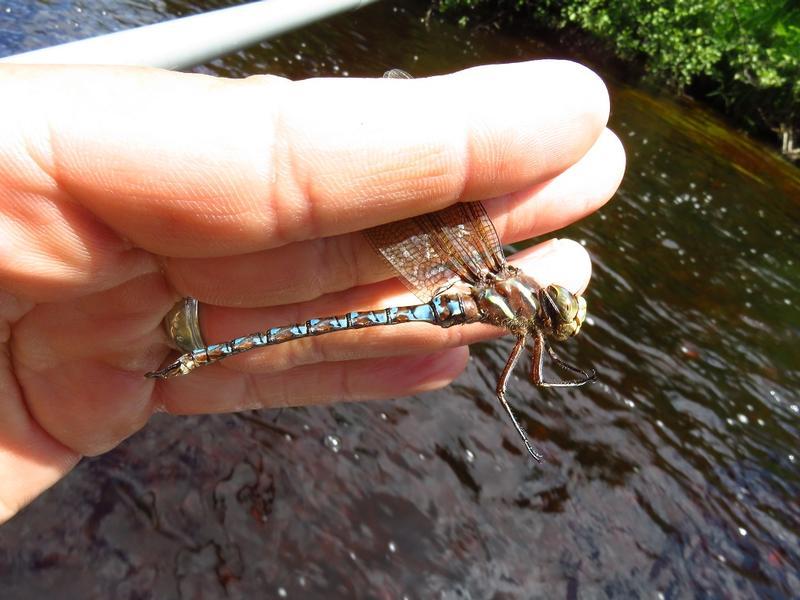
<point>122,190</point>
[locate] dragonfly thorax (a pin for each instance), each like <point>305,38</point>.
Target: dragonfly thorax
<point>520,305</point>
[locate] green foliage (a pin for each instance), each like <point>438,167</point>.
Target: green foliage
<point>744,52</point>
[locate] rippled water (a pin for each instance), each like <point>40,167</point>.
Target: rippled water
<point>676,476</point>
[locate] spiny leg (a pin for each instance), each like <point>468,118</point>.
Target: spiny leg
<point>589,376</point>
<point>501,395</point>
<point>537,363</point>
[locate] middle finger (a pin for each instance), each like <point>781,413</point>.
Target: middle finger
<point>305,270</point>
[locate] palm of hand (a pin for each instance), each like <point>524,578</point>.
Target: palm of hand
<point>97,189</point>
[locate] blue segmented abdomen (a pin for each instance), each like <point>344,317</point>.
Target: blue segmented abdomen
<point>444,310</point>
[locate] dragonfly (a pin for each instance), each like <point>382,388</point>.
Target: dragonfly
<point>453,262</point>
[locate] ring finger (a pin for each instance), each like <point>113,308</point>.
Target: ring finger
<point>558,260</point>
<point>307,270</point>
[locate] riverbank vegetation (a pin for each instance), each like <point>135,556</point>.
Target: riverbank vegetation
<point>742,56</point>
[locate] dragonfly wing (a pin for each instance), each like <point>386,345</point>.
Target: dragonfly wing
<point>411,253</point>
<point>433,251</point>
<point>465,235</point>
<point>396,74</point>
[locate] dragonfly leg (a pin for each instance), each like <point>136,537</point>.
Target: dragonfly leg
<point>537,356</point>
<point>501,395</point>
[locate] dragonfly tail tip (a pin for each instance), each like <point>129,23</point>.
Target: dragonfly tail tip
<point>169,371</point>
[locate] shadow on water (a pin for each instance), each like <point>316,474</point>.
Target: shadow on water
<point>675,476</point>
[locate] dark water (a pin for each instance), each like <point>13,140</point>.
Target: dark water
<point>676,476</point>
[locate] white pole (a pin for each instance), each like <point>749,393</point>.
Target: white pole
<point>188,41</point>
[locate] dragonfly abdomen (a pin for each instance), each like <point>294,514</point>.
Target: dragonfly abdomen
<point>444,310</point>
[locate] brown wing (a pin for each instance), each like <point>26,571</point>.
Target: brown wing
<point>431,252</point>
<point>397,74</point>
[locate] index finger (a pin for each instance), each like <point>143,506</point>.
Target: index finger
<point>194,166</point>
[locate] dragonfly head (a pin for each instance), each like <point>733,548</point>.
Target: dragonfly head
<point>564,310</point>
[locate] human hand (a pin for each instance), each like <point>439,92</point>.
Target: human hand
<point>122,190</point>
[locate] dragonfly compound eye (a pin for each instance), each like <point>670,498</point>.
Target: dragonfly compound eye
<point>566,310</point>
